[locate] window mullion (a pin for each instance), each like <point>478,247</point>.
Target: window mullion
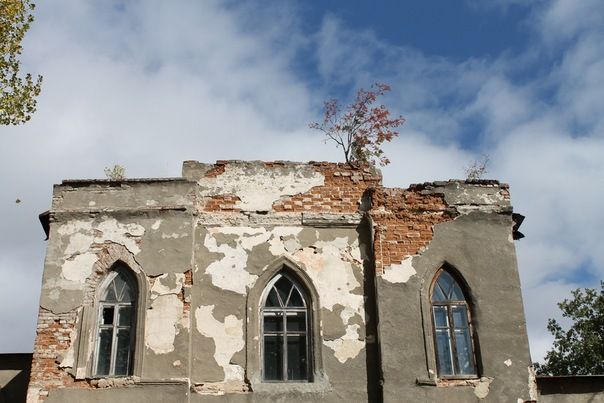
<point>285,378</point>
<point>453,340</point>
<point>113,340</point>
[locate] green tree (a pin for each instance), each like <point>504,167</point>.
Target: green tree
<point>17,94</point>
<point>579,350</point>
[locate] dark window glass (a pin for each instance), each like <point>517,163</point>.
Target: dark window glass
<point>273,323</point>
<point>122,355</point>
<point>108,312</point>
<point>273,299</point>
<point>295,300</point>
<point>452,328</point>
<point>285,338</point>
<point>296,322</point>
<point>296,357</point>
<point>273,358</point>
<point>104,352</point>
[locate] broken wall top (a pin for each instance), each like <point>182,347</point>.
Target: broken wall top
<point>257,187</point>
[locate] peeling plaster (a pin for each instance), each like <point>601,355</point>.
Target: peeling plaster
<point>347,346</point>
<point>532,384</point>
<point>229,273</point>
<point>83,233</point>
<point>78,261</point>
<point>284,240</point>
<point>162,323</point>
<point>169,283</point>
<point>333,277</point>
<point>79,268</point>
<point>331,265</point>
<point>228,339</point>
<point>259,187</point>
<point>400,273</point>
<point>481,390</point>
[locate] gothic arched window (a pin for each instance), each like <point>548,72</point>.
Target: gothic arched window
<point>285,331</point>
<point>116,321</point>
<point>453,336</point>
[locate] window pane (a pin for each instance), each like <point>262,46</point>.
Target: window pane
<point>122,356</point>
<point>443,351</point>
<point>456,293</point>
<point>273,358</point>
<point>125,316</point>
<point>465,361</point>
<point>460,317</point>
<point>296,322</point>
<point>110,293</point>
<point>437,293</point>
<point>120,283</point>
<point>284,286</point>
<point>104,352</point>
<point>295,299</point>
<point>446,282</point>
<point>127,295</point>
<point>272,300</point>
<point>273,323</point>
<point>440,316</point>
<point>296,358</point>
<point>107,318</point>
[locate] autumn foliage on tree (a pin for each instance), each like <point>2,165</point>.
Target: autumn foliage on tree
<point>17,94</point>
<point>360,128</point>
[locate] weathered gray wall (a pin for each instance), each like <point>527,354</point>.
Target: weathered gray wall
<point>478,244</point>
<point>204,246</point>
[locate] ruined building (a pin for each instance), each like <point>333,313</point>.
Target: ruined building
<point>280,282</point>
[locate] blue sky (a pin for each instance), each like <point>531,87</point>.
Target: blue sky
<point>148,84</point>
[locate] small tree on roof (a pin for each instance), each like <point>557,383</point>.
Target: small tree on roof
<point>361,128</point>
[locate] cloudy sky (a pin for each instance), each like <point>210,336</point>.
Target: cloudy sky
<point>150,84</point>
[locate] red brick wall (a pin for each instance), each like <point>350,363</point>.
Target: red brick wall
<point>341,193</point>
<point>52,343</point>
<point>404,223</point>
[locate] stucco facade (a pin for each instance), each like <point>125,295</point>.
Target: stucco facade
<point>203,248</point>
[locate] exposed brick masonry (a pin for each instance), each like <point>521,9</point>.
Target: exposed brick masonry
<point>342,192</point>
<point>404,223</point>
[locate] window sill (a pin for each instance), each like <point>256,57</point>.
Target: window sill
<point>451,382</point>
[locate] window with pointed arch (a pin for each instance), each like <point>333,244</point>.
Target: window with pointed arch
<point>453,336</point>
<point>116,321</point>
<point>285,331</point>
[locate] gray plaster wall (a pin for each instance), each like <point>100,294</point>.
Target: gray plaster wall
<point>149,227</point>
<point>199,340</point>
<point>205,332</point>
<point>480,248</point>
<point>232,267</point>
<point>159,393</point>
